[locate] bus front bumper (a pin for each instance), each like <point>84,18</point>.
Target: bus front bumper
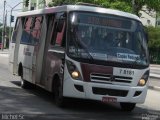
<point>99,91</point>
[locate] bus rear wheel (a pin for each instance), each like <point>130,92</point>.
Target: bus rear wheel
<point>127,106</point>
<point>58,94</point>
<point>24,83</point>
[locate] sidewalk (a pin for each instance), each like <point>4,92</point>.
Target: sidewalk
<point>5,51</point>
<point>155,67</point>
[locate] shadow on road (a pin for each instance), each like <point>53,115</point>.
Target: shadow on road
<point>38,104</point>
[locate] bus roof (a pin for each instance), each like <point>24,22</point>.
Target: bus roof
<point>79,8</point>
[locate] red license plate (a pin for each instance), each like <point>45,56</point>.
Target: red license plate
<point>109,99</point>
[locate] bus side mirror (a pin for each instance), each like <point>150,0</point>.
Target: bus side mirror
<point>60,25</point>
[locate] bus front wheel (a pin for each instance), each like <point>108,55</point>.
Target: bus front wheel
<point>127,106</point>
<point>58,94</point>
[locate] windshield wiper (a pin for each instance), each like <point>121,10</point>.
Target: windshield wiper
<point>84,47</point>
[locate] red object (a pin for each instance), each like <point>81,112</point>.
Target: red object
<point>109,99</point>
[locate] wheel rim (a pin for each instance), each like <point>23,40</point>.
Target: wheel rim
<point>22,83</point>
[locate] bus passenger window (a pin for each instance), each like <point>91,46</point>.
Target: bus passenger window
<point>36,30</point>
<point>60,38</point>
<point>15,30</point>
<point>26,31</point>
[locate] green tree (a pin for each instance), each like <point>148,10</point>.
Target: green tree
<point>1,24</point>
<point>124,5</point>
<point>154,37</point>
<point>7,34</point>
<point>103,3</point>
<point>154,43</point>
<point>138,4</point>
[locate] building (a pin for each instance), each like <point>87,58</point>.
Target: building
<point>35,4</point>
<point>147,17</point>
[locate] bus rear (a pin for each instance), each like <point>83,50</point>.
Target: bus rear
<point>106,59</point>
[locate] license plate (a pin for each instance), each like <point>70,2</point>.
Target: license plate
<point>109,99</point>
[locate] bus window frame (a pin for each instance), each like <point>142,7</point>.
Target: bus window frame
<point>16,29</point>
<point>31,28</point>
<point>55,32</point>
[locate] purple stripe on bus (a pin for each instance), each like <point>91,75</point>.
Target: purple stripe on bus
<point>87,69</point>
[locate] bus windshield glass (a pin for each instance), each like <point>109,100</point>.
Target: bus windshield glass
<point>107,38</point>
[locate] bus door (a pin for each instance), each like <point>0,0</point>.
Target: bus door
<point>49,28</point>
<point>39,33</point>
<point>14,46</point>
<point>55,50</point>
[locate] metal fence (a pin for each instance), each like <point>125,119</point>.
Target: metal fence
<point>154,55</point>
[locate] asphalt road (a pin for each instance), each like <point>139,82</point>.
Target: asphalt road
<point>37,104</point>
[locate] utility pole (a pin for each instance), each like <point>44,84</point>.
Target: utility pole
<point>3,34</point>
<point>5,30</point>
<point>133,6</point>
<point>10,29</point>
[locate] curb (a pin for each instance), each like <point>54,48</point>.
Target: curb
<point>4,53</point>
<point>154,77</point>
<point>154,88</point>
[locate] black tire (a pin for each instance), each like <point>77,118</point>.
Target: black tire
<point>24,83</point>
<point>60,100</point>
<point>127,106</point>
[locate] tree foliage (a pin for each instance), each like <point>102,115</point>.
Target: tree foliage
<point>103,3</point>
<point>138,4</point>
<point>7,33</point>
<point>124,5</point>
<point>154,37</point>
<point>1,24</point>
<point>154,44</point>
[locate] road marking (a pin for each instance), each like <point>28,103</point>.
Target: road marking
<point>4,55</point>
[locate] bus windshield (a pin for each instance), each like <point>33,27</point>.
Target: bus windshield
<point>107,38</point>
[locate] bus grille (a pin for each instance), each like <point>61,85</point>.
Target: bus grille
<point>110,92</point>
<point>110,79</point>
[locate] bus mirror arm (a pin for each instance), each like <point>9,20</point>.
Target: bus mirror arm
<point>60,53</point>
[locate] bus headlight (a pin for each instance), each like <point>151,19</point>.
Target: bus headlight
<point>74,72</point>
<point>141,82</point>
<point>144,79</point>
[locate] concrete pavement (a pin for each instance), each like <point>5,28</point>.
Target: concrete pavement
<point>5,51</point>
<point>155,70</point>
